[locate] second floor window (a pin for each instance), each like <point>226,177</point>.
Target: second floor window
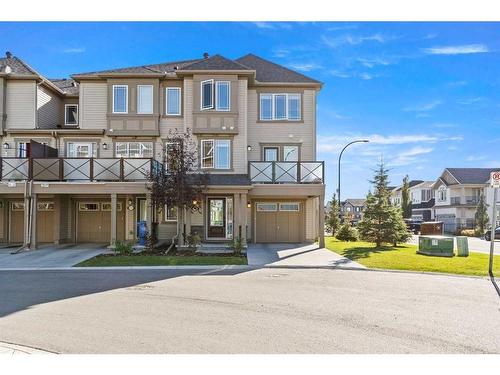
<point>71,114</point>
<point>280,107</point>
<point>216,95</point>
<point>173,101</point>
<point>120,99</point>
<point>442,194</point>
<point>144,99</point>
<point>134,149</point>
<point>216,153</point>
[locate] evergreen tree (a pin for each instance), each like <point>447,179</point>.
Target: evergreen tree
<point>332,221</point>
<point>382,222</point>
<point>481,215</point>
<point>405,198</point>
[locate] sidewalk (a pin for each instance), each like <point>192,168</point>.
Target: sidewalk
<point>12,349</point>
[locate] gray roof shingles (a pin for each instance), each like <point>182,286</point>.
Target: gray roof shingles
<point>216,62</point>
<point>16,65</point>
<point>472,175</point>
<point>67,86</point>
<point>267,71</point>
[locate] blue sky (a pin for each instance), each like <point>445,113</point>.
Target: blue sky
<point>427,95</point>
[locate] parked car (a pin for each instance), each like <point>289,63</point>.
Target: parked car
<point>413,225</point>
<point>487,235</point>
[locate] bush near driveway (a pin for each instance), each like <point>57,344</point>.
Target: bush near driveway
<point>404,257</point>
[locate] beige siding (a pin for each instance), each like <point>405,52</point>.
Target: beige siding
<point>21,104</point>
<point>65,223</point>
<point>93,105</point>
<point>49,108</point>
<point>311,219</point>
<point>240,140</point>
<point>166,231</point>
<point>2,99</point>
<point>303,133</point>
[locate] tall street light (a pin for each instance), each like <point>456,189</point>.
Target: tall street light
<point>340,157</point>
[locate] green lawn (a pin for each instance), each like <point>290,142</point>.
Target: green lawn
<point>160,260</point>
<point>404,257</point>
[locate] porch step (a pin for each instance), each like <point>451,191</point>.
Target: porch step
<point>214,248</point>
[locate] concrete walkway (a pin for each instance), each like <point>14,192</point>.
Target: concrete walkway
<point>12,349</point>
<point>50,256</point>
<point>307,255</point>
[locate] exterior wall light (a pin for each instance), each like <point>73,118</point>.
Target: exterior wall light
<point>104,146</point>
<point>249,148</point>
<point>249,205</point>
<point>6,146</point>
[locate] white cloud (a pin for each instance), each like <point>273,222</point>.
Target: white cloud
<point>74,50</point>
<point>342,27</point>
<point>272,25</point>
<point>475,158</point>
<point>366,76</point>
<point>409,156</point>
<point>444,125</point>
<point>423,107</point>
<point>281,52</point>
<point>457,83</point>
<point>305,66</point>
<point>457,50</point>
<point>469,101</point>
<point>353,40</point>
<point>372,62</point>
<point>338,73</point>
<point>430,36</point>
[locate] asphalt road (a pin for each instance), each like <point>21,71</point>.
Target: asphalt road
<point>258,311</point>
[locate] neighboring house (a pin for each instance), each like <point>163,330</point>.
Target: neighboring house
<point>76,152</point>
<point>457,193</point>
<point>396,197</point>
<point>422,200</point>
<point>352,210</point>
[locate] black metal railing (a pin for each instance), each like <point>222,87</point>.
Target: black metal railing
<point>286,172</point>
<point>77,169</point>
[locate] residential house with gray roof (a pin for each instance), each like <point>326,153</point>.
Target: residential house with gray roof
<point>352,210</point>
<point>76,151</point>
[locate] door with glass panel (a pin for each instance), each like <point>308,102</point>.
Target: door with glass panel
<point>216,227</point>
<point>271,153</point>
<point>81,150</point>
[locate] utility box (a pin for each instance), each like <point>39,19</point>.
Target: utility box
<point>462,246</point>
<point>434,228</point>
<point>439,246</point>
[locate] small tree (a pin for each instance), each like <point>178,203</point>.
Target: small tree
<point>177,181</point>
<point>347,233</point>
<point>382,222</point>
<point>332,221</point>
<point>481,216</point>
<point>405,198</point>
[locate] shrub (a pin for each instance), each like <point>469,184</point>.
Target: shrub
<point>123,248</point>
<point>192,240</point>
<point>237,245</point>
<point>469,233</point>
<point>347,233</point>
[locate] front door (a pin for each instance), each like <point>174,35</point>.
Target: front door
<point>216,218</point>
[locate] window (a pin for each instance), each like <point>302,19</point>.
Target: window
<point>216,153</point>
<point>88,206</point>
<point>134,149</point>
<point>170,213</point>
<point>144,99</point>
<point>271,153</point>
<point>348,209</point>
<point>45,206</point>
<point>173,101</point>
<point>223,95</point>
<point>82,149</point>
<point>267,207</point>
<point>106,206</point>
<point>280,107</point>
<point>120,99</point>
<point>207,94</point>
<point>289,207</point>
<point>22,149</point>
<point>17,206</point>
<point>266,107</point>
<point>290,153</point>
<point>71,114</point>
<point>442,194</point>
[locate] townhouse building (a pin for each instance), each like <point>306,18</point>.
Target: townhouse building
<point>352,210</point>
<point>76,152</point>
<point>422,200</point>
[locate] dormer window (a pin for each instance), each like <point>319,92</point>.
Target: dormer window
<point>216,95</point>
<point>71,114</point>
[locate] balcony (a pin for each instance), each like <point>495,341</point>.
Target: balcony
<point>286,172</point>
<point>77,169</point>
<point>466,200</point>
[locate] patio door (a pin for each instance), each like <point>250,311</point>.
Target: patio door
<point>216,227</point>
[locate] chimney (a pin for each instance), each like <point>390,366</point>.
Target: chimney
<point>8,54</point>
<point>206,55</point>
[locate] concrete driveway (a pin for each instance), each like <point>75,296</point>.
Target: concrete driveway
<point>308,255</point>
<point>50,255</point>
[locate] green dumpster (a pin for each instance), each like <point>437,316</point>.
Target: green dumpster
<point>462,246</point>
<point>440,246</point>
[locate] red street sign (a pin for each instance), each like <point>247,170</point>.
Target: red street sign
<point>495,179</point>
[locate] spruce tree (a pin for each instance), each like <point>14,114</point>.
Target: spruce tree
<point>382,222</point>
<point>405,198</point>
<point>332,221</point>
<point>481,216</point>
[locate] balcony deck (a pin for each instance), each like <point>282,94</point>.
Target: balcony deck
<point>286,172</point>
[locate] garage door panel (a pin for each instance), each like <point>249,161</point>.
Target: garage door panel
<point>95,226</point>
<point>279,226</point>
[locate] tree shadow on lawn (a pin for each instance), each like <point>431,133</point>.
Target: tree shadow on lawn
<point>355,253</point>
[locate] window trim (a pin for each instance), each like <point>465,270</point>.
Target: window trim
<point>80,204</point>
<point>104,207</point>
<point>288,106</point>
<point>212,102</point>
<point>139,100</point>
<point>217,108</point>
<point>128,149</point>
<point>165,217</point>
<point>261,107</point>
<point>273,106</point>
<point>126,99</point>
<point>178,89</point>
<point>261,204</point>
<point>66,123</point>
<point>93,145</point>
<point>214,156</point>
<point>289,203</point>
<point>46,206</point>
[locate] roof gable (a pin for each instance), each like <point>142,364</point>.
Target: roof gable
<point>216,62</point>
<point>267,71</point>
<point>16,65</point>
<point>469,175</point>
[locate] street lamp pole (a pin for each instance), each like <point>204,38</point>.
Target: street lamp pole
<point>340,157</point>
